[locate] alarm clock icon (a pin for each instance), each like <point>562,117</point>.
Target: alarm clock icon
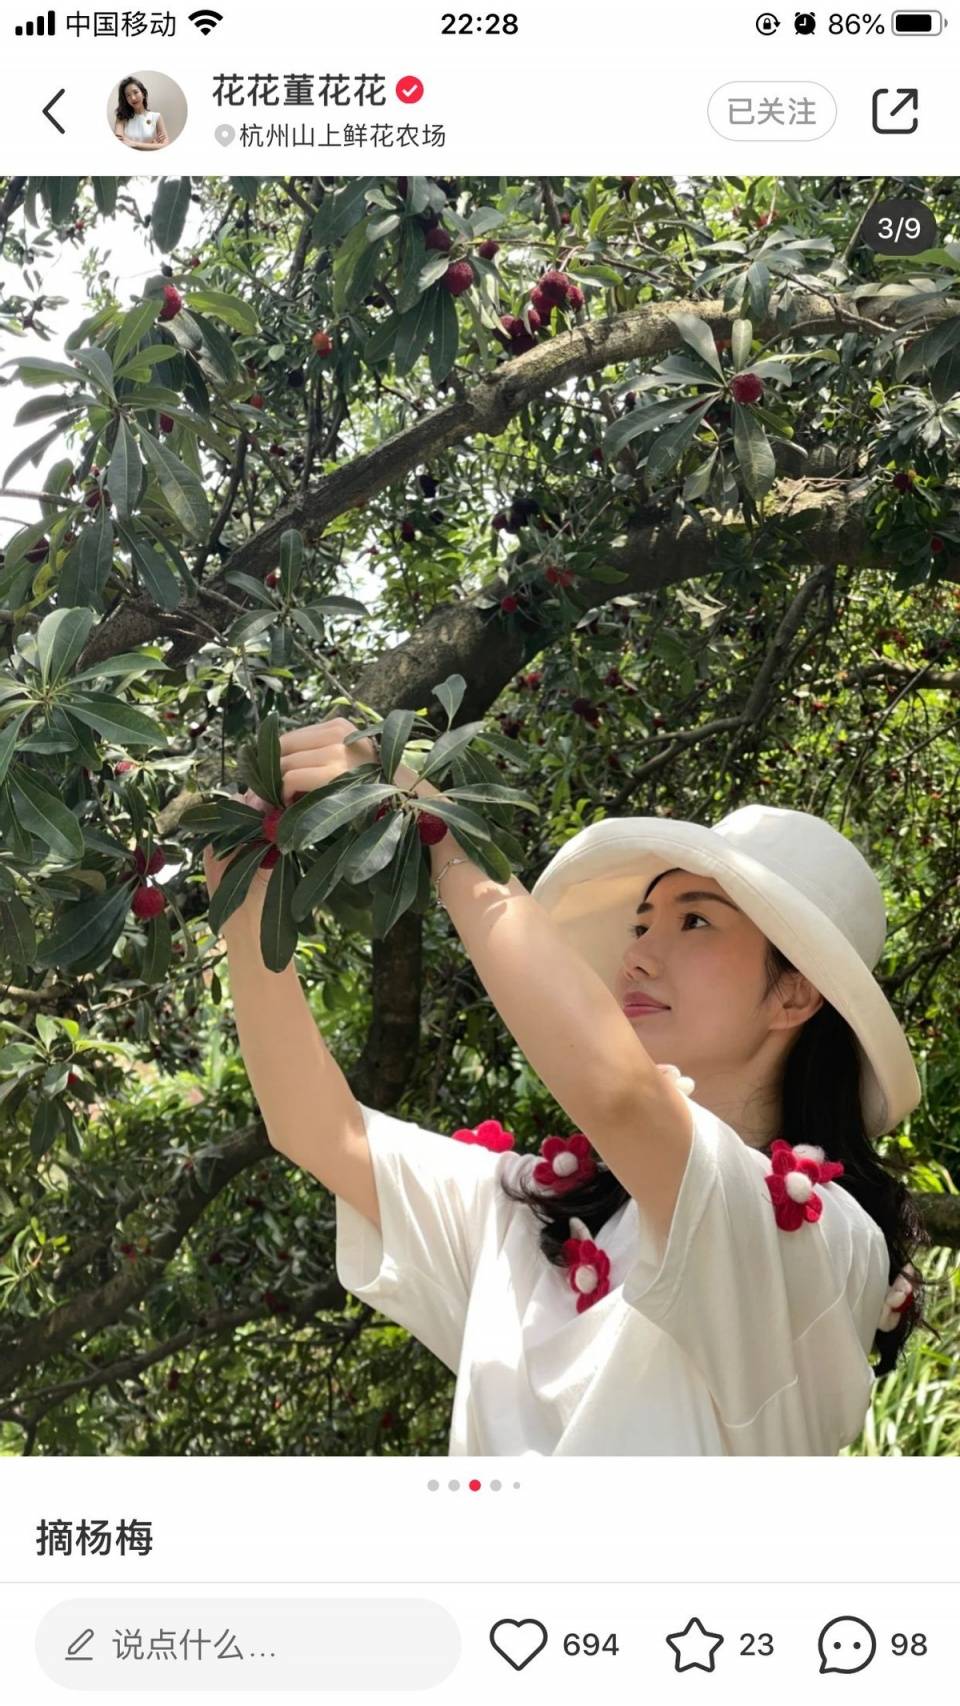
<point>805,23</point>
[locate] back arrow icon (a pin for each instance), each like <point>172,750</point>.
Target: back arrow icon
<point>48,114</point>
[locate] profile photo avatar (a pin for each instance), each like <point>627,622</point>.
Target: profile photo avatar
<point>147,111</point>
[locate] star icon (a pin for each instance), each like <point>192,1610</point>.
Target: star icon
<point>694,1646</point>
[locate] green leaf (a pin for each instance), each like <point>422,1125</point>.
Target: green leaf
<point>234,884</point>
<point>309,822</point>
<point>105,194</point>
<point>217,350</point>
<point>413,332</point>
<point>494,792</point>
<point>322,877</point>
<point>46,816</point>
<point>391,903</point>
<point>84,574</point>
<point>753,451</point>
<point>142,364</point>
<point>278,926</point>
<point>125,471</point>
<point>61,638</point>
<point>487,855</point>
<point>741,340</point>
<point>181,488</point>
<point>155,571</point>
<point>447,747</point>
<point>698,335</point>
<point>8,740</point>
<point>122,663</point>
<point>96,363</point>
<point>89,928</point>
<point>134,325</point>
<point>669,445</point>
<point>291,560</point>
<point>40,409</point>
<point>375,847</point>
<point>37,370</point>
<point>268,759</point>
<point>158,950</point>
<point>638,421</point>
<point>945,377</point>
<point>924,352</point>
<point>393,738</point>
<point>170,208</point>
<point>18,938</point>
<point>115,720</point>
<point>450,694</point>
<point>44,1128</point>
<point>234,312</point>
<point>446,336</point>
<point>32,453</point>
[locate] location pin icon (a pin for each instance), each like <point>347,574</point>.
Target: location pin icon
<point>224,134</point>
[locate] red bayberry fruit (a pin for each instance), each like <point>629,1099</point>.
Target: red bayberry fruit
<point>936,545</point>
<point>612,678</point>
<point>256,401</point>
<point>124,765</point>
<point>564,217</point>
<point>270,858</point>
<point>156,863</point>
<point>763,219</point>
<point>554,286</point>
<point>172,302</point>
<point>129,1250</point>
<point>512,325</point>
<point>533,679</point>
<point>322,342</point>
<point>173,1380</point>
<point>165,423</point>
<point>430,828</point>
<point>38,551</point>
<point>746,388</point>
<point>542,303</point>
<point>575,297</point>
<point>273,578</point>
<point>268,827</point>
<point>408,531</point>
<point>903,482</point>
<point>499,521</point>
<point>427,484</point>
<point>72,1079</point>
<point>216,1258</point>
<point>458,277</point>
<point>596,454</point>
<point>509,604</point>
<point>488,249</point>
<point>439,239</point>
<point>148,901</point>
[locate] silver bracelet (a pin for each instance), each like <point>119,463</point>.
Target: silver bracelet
<point>438,879</point>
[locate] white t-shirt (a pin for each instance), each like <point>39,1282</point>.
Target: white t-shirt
<point>736,1339</point>
<point>142,127</point>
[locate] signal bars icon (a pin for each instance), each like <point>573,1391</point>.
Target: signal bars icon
<point>46,25</point>
<point>206,20</point>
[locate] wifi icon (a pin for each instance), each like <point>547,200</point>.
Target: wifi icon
<point>206,20</point>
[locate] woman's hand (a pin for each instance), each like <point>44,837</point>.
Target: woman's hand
<point>213,869</point>
<point>316,755</point>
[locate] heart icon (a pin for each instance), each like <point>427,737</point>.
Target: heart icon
<point>518,1642</point>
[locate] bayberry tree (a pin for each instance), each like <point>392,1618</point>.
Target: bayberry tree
<point>651,487</point>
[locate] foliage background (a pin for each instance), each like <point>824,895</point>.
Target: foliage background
<point>688,607</point>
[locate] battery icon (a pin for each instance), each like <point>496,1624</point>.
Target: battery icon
<point>917,23</point>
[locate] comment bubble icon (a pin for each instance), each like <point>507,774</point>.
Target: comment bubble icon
<point>846,1644</point>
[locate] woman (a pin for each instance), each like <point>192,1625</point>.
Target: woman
<point>704,1268</point>
<point>136,125</point>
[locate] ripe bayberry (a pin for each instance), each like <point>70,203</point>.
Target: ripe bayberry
<point>439,239</point>
<point>427,484</point>
<point>256,401</point>
<point>268,827</point>
<point>172,302</point>
<point>509,604</point>
<point>37,552</point>
<point>903,482</point>
<point>273,578</point>
<point>458,277</point>
<point>408,531</point>
<point>270,858</point>
<point>124,765</point>
<point>936,545</point>
<point>488,249</point>
<point>156,863</point>
<point>554,286</point>
<point>499,521</point>
<point>430,828</point>
<point>542,303</point>
<point>322,342</point>
<point>165,423</point>
<point>746,388</point>
<point>148,901</point>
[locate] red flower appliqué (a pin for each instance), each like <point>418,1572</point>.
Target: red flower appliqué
<point>567,1161</point>
<point>588,1266</point>
<point>489,1134</point>
<point>791,1184</point>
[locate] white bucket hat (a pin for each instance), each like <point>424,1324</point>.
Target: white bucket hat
<point>806,886</point>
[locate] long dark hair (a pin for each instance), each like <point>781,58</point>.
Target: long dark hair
<point>124,109</point>
<point>820,1101</point>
